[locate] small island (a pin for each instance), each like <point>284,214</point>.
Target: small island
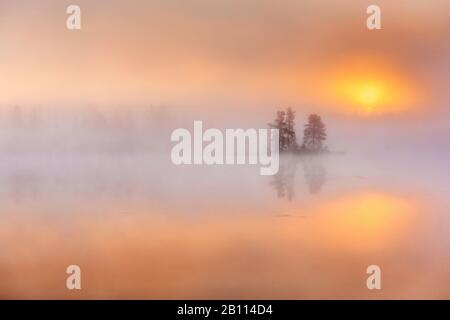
<point>314,134</point>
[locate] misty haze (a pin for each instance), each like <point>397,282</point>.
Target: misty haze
<point>86,176</point>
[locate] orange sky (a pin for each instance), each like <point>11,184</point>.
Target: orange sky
<point>226,53</point>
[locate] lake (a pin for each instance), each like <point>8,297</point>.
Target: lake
<point>141,227</point>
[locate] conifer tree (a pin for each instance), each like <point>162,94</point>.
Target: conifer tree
<point>314,134</point>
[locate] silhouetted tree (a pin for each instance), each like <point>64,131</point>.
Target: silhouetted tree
<point>291,139</point>
<point>284,122</point>
<point>314,134</point>
<point>280,124</point>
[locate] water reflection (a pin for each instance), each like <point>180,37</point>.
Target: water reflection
<point>315,175</point>
<point>151,254</point>
<point>284,180</point>
<point>139,231</point>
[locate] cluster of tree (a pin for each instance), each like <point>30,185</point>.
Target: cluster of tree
<point>314,133</point>
<point>284,122</point>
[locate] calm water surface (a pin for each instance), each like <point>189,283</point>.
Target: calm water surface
<point>140,227</point>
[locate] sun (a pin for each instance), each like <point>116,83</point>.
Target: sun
<point>369,95</point>
<point>366,94</point>
<point>371,88</point>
